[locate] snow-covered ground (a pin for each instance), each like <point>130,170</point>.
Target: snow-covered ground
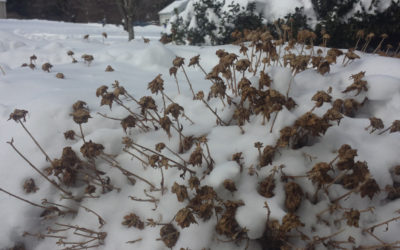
<point>48,100</point>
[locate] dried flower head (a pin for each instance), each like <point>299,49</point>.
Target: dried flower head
<point>294,195</point>
<point>172,71</point>
<point>169,235</point>
<point>178,61</point>
<point>319,174</point>
<point>18,114</point>
<point>184,218</point>
<point>69,135</point>
<point>109,68</point>
<point>369,188</point>
<point>194,182</point>
<point>128,122</point>
<point>166,123</point>
<point>266,187</point>
<point>91,149</point>
<point>194,60</point>
<point>30,186</point>
<point>180,191</point>
<point>87,58</point>
<point>132,220</point>
<point>196,158</point>
<point>70,53</point>
<point>156,85</point>
<point>60,76</point>
<point>101,90</point>
<point>320,97</point>
<point>174,109</point>
<point>46,67</point>
<point>242,65</point>
<point>230,185</point>
<point>107,99</point>
<point>352,217</point>
<point>146,103</point>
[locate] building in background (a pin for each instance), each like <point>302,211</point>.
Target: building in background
<point>3,10</point>
<point>166,13</point>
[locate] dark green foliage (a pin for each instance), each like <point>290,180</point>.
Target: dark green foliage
<point>331,16</point>
<point>206,31</point>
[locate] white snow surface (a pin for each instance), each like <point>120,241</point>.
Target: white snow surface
<point>49,99</point>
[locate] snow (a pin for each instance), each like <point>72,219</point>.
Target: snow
<point>178,4</point>
<point>49,99</point>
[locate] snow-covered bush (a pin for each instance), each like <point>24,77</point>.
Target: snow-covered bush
<point>267,151</point>
<point>212,22</point>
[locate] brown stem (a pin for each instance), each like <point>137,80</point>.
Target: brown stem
<point>37,170</point>
<point>128,173</point>
<point>83,136</point>
<point>34,140</point>
<point>187,78</point>
<point>154,152</point>
<point>273,122</point>
<point>22,199</point>
<point>215,113</point>
<point>177,84</point>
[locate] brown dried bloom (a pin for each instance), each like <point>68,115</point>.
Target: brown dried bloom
<point>165,123</point>
<point>320,97</point>
<point>178,61</point>
<point>194,182</point>
<point>194,60</point>
<point>180,191</point>
<point>101,90</point>
<point>70,53</point>
<point>174,109</point>
<point>395,127</point>
<point>147,102</point>
<point>266,187</point>
<point>46,67</point>
<point>196,158</point>
<point>107,99</point>
<point>319,174</point>
<point>109,68</point>
<point>156,85</point>
<point>30,186</point>
<point>290,221</point>
<point>172,71</point>
<point>267,156</point>
<point>242,64</point>
<point>376,123</point>
<point>87,58</point>
<point>60,76</point>
<point>69,135</point>
<point>90,189</point>
<point>184,218</point>
<point>352,217</point>
<point>169,235</point>
<point>160,146</point>
<point>230,185</point>
<point>79,105</point>
<point>370,188</point>
<point>128,122</point>
<point>81,116</point>
<point>18,114</point>
<point>132,220</point>
<point>294,195</point>
<point>91,149</point>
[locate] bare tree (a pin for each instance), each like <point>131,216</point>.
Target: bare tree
<point>127,8</point>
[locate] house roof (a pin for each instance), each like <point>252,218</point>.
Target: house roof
<point>178,4</point>
<point>3,0</point>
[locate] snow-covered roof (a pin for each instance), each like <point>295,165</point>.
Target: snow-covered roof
<point>178,4</point>
<point>3,0</point>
